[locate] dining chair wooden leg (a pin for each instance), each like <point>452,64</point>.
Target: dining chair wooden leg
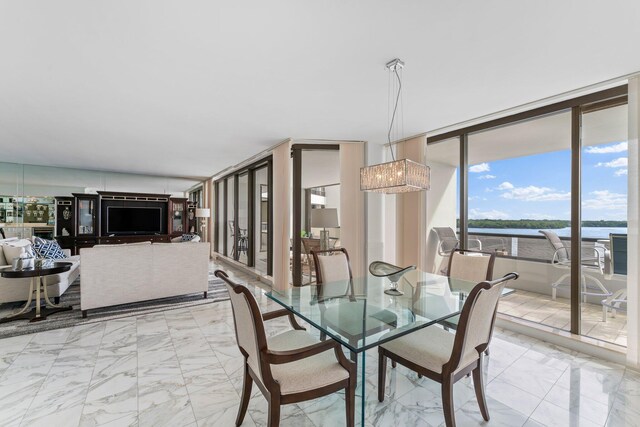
<point>274,411</point>
<point>447,401</point>
<point>478,385</point>
<point>382,373</point>
<point>246,395</point>
<point>350,402</point>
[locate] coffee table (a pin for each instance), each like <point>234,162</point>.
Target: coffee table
<point>38,277</point>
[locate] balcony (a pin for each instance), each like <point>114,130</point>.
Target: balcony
<point>530,255</point>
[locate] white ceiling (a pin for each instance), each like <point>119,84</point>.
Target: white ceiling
<point>186,88</point>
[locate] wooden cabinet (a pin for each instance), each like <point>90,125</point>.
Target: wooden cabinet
<point>177,216</point>
<point>192,221</point>
<point>65,217</point>
<point>87,215</point>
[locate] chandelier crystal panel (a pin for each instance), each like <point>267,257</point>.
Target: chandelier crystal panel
<point>400,176</point>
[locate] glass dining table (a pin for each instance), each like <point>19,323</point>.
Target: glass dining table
<point>360,316</point>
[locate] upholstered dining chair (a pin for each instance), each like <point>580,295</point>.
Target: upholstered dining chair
<point>332,265</point>
<point>289,367</point>
<point>445,357</point>
<point>471,265</point>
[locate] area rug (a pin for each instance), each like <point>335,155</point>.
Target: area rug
<point>217,292</point>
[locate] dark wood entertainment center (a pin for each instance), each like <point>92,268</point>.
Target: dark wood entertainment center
<point>81,219</point>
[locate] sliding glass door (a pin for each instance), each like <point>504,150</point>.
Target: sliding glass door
<point>605,186</point>
<point>242,213</point>
<point>519,207</point>
<point>546,191</point>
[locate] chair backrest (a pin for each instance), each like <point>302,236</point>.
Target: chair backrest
<point>474,266</point>
<point>332,265</point>
<point>310,244</point>
<point>618,253</point>
<point>447,237</point>
<point>558,246</point>
<point>476,322</point>
<point>249,326</point>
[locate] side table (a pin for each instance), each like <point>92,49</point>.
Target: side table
<point>38,278</point>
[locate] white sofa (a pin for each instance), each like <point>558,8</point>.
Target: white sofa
<point>121,274</point>
<point>12,290</point>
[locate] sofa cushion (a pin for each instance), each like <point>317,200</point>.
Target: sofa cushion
<point>188,237</point>
<point>16,248</point>
<point>49,249</point>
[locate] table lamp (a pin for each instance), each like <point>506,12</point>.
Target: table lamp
<point>324,218</point>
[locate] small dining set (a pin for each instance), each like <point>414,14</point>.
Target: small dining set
<point>437,326</point>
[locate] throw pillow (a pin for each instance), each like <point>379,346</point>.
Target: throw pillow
<point>14,251</point>
<point>49,249</point>
<point>188,237</point>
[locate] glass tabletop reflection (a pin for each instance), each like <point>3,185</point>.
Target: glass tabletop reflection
<point>358,314</point>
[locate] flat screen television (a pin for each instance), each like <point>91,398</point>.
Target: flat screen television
<point>134,220</point>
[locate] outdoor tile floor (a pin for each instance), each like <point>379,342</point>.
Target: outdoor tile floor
<point>182,368</point>
<point>542,309</point>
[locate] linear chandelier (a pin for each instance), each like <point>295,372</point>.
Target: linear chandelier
<point>396,176</point>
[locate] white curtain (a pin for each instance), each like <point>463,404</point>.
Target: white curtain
<point>281,214</point>
<point>411,222</point>
<point>633,242</point>
<point>352,203</point>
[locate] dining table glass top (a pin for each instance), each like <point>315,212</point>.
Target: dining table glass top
<point>358,314</point>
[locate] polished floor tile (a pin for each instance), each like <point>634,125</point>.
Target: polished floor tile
<point>183,368</point>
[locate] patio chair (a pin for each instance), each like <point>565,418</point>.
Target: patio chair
<point>617,301</point>
<point>445,357</point>
<point>290,367</point>
<point>594,258</point>
<point>448,241</point>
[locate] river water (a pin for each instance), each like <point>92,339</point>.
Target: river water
<point>587,232</point>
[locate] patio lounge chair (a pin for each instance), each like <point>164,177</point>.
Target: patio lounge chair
<point>594,258</point>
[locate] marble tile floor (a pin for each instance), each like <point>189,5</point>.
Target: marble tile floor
<point>542,309</point>
<point>182,368</point>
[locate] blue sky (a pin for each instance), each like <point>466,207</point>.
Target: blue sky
<point>538,187</point>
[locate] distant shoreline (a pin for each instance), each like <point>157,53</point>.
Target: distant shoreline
<point>544,224</point>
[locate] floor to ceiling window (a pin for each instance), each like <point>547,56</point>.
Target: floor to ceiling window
<point>242,212</point>
<point>519,206</point>
<point>604,219</point>
<point>546,191</point>
<point>262,218</point>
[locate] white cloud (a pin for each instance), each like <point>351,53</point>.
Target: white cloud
<point>492,214</point>
<point>615,148</point>
<point>505,186</point>
<point>621,172</point>
<point>605,200</point>
<point>620,162</point>
<point>482,167</point>
<point>487,176</point>
<point>534,194</point>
